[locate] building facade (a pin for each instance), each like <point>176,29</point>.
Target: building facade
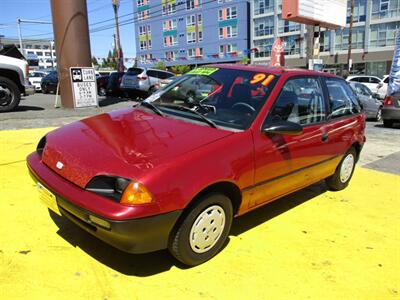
<point>375,23</point>
<point>41,54</point>
<point>191,32</point>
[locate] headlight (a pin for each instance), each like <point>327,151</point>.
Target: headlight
<point>120,190</point>
<point>136,193</point>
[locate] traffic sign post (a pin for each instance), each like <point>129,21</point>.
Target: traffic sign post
<point>83,81</point>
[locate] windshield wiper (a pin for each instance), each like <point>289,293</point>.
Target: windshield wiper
<point>152,107</point>
<point>187,109</point>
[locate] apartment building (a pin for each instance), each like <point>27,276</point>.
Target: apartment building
<point>191,32</point>
<point>41,54</point>
<point>375,23</point>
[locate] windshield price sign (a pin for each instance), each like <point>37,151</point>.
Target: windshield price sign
<point>84,87</point>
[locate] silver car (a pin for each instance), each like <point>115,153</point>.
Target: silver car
<point>372,106</point>
<point>143,80</point>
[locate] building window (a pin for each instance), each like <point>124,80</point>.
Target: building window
<point>325,41</point>
<point>192,4</point>
<point>292,45</point>
<point>227,32</point>
<point>171,55</point>
<point>191,37</point>
<point>168,8</point>
<point>143,45</point>
<point>169,25</point>
<point>287,26</point>
<point>263,48</point>
<point>39,53</point>
<point>227,13</point>
<point>143,15</point>
<point>223,1</point>
<point>170,40</point>
<point>228,48</point>
<point>195,53</point>
<point>264,26</point>
<point>359,11</point>
<point>382,9</point>
<point>342,38</point>
<point>263,7</point>
<point>142,2</point>
<point>382,35</point>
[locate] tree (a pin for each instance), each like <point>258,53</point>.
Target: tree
<point>180,69</point>
<point>244,60</point>
<point>94,61</point>
<point>160,65</point>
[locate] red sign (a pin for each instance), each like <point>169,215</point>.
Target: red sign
<point>277,57</point>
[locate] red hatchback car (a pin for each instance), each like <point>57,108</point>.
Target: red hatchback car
<point>216,143</point>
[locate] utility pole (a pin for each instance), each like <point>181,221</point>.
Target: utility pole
<point>20,37</point>
<point>350,35</point>
<point>115,4</point>
<point>309,43</point>
<point>71,32</point>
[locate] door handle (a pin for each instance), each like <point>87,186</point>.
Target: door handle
<point>324,137</point>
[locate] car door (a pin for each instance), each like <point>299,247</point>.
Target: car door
<point>344,118</point>
<point>285,163</point>
<point>374,84</point>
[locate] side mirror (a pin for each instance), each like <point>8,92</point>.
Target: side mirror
<point>380,84</point>
<point>283,128</point>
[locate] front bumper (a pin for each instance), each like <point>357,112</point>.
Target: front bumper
<point>139,235</point>
<point>29,89</point>
<point>391,113</point>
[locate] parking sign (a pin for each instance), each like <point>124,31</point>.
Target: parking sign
<point>84,87</point>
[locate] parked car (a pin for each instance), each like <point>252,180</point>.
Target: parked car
<point>13,82</point>
<point>35,78</point>
<point>372,106</point>
<point>142,80</point>
<point>49,83</point>
<point>172,172</point>
<point>164,82</point>
<point>102,82</point>
<point>374,83</point>
<point>114,84</point>
<point>391,110</point>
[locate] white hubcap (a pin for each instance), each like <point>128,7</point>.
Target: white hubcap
<point>207,229</point>
<point>346,168</point>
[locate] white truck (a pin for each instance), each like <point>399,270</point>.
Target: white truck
<point>13,82</point>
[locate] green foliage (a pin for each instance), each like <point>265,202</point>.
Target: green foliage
<point>160,65</point>
<point>180,69</point>
<point>111,61</point>
<point>94,61</point>
<point>244,60</point>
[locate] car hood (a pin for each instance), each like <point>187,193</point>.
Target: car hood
<point>127,143</point>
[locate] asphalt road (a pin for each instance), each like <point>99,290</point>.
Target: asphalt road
<point>381,151</point>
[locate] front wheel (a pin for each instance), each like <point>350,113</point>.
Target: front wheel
<point>102,91</point>
<point>9,95</point>
<point>341,178</point>
<point>203,230</point>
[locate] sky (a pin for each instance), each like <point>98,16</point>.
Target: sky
<point>99,10</point>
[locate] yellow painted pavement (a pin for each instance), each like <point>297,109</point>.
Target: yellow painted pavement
<point>314,244</point>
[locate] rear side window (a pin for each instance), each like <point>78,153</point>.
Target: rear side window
<point>374,80</point>
<point>153,73</point>
<point>363,79</point>
<point>357,79</point>
<point>386,80</point>
<point>164,75</point>
<point>301,101</point>
<point>342,100</point>
<point>134,71</point>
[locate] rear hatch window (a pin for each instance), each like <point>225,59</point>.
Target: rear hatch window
<point>134,71</point>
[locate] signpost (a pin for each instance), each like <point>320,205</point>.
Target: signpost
<point>83,81</point>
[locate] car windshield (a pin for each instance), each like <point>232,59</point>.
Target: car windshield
<point>226,97</point>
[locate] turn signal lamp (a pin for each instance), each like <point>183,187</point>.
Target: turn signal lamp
<point>135,193</point>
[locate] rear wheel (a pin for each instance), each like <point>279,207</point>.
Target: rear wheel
<point>9,95</point>
<point>388,123</point>
<point>102,91</point>
<point>344,171</point>
<point>203,230</point>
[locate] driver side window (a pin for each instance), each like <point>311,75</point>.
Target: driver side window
<point>301,101</point>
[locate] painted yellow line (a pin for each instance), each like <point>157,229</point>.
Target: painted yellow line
<point>313,244</point>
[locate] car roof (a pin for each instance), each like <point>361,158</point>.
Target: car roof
<point>271,70</point>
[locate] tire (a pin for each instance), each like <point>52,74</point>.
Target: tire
<point>388,123</point>
<point>102,92</point>
<point>9,94</point>
<point>378,117</point>
<point>344,171</point>
<point>151,91</point>
<point>44,90</point>
<point>193,244</point>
